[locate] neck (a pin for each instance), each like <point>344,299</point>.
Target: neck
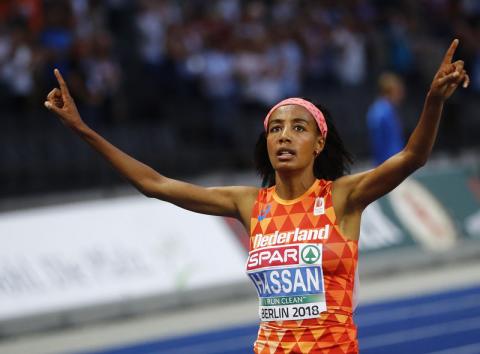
<point>291,185</point>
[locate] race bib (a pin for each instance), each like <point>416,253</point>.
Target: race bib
<point>289,281</point>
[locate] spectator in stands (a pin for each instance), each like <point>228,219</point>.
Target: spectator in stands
<point>384,126</point>
<point>351,55</point>
<point>16,70</point>
<point>152,20</point>
<point>219,89</point>
<point>103,77</point>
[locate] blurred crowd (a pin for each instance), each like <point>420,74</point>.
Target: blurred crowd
<point>222,50</point>
<point>127,61</point>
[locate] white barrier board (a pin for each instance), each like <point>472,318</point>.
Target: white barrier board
<point>87,253</point>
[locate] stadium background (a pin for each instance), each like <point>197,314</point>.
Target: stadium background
<point>183,86</point>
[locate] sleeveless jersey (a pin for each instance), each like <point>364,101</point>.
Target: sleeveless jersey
<point>304,270</point>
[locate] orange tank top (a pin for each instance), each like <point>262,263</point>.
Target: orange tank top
<point>303,269</point>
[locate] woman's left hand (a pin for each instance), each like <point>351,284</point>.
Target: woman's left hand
<point>449,75</point>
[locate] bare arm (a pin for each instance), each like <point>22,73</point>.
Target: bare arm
<point>361,189</point>
<point>225,201</point>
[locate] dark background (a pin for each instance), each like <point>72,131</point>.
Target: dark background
<point>184,85</point>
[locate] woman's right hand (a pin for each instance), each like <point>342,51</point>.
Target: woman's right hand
<point>223,201</point>
<point>62,104</point>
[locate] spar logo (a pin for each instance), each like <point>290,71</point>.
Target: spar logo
<point>310,254</point>
<point>281,256</point>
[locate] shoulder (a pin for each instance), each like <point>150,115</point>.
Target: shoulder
<point>239,195</point>
<point>250,191</point>
<point>246,195</point>
<point>244,198</point>
<point>345,182</point>
<point>243,192</point>
<point>343,187</point>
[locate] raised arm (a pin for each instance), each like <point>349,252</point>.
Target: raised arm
<point>225,201</point>
<point>359,190</point>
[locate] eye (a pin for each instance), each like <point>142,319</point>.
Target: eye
<point>274,129</point>
<point>299,128</point>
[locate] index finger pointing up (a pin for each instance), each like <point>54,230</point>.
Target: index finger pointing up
<point>447,59</point>
<point>61,82</point>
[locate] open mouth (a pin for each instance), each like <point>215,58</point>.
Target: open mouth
<point>285,154</point>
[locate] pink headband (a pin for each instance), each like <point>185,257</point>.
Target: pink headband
<point>314,111</point>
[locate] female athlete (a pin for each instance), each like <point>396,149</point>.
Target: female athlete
<point>304,226</point>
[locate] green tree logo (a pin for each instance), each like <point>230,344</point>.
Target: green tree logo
<point>310,254</point>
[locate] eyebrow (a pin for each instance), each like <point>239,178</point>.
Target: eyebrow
<point>295,120</point>
<point>275,121</point>
<point>300,120</point>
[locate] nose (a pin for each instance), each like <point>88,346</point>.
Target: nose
<point>285,136</point>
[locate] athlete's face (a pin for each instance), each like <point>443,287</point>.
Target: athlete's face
<point>293,138</point>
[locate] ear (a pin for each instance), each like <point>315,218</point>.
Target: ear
<point>319,145</point>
